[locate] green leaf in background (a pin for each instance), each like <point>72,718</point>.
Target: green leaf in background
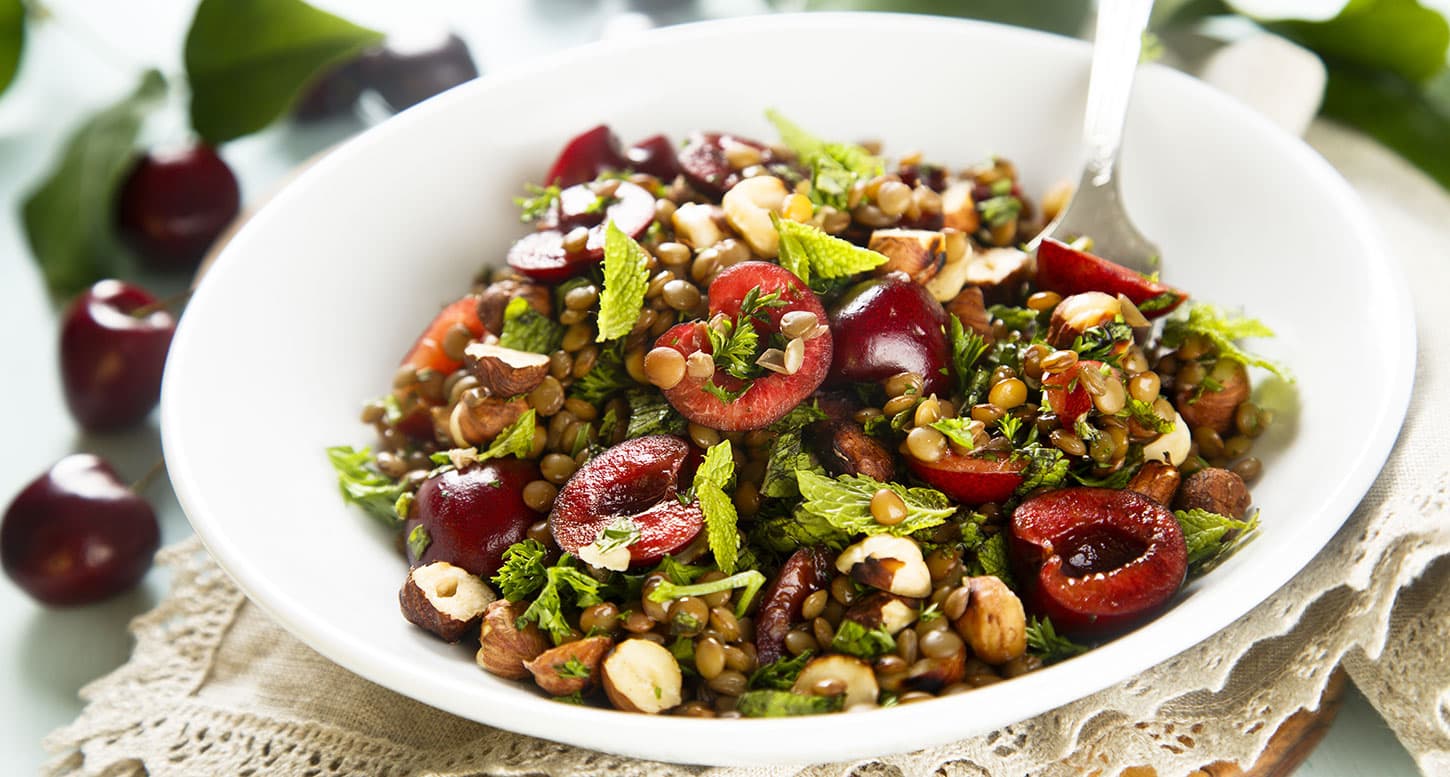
<point>12,39</point>
<point>68,218</point>
<point>1412,120</point>
<point>1400,36</point>
<point>247,60</point>
<point>1064,17</point>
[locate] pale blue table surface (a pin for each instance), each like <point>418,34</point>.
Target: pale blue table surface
<point>89,55</point>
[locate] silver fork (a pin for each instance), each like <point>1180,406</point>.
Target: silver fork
<point>1096,208</point>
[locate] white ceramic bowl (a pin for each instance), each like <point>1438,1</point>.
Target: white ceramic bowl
<point>305,314</point>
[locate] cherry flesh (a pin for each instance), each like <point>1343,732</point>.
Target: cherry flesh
<point>771,395</point>
<point>971,480</point>
<point>111,359</point>
<point>410,68</point>
<point>1067,271</point>
<point>1097,561</point>
<point>888,325</point>
<point>1066,394</point>
<point>77,535</point>
<point>638,481</point>
<point>472,515</point>
<point>174,204</point>
<point>806,571</point>
<point>542,256</point>
<point>585,156</point>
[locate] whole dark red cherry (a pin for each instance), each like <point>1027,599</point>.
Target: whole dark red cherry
<point>110,358</point>
<point>174,204</point>
<point>888,325</point>
<point>414,66</point>
<point>77,535</point>
<point>332,93</point>
<point>469,517</point>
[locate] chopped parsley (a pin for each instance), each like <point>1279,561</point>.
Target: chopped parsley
<point>780,704</point>
<point>1044,642</point>
<point>856,640</point>
<point>547,608</point>
<point>1104,343</point>
<point>573,669</point>
<point>363,485</point>
<point>607,378</point>
<point>781,673</point>
<point>1015,318</point>
<point>999,210</point>
<point>541,199</point>
<point>522,572</point>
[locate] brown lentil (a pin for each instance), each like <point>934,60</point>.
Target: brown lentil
<point>664,367</point>
<point>1144,386</point>
<point>581,297</point>
<point>602,618</point>
<point>575,240</point>
<point>740,658</point>
<point>539,495</point>
<point>729,683</point>
<point>561,365</point>
<point>638,622</point>
<point>903,383</point>
<point>1114,397</point>
<point>1246,420</point>
<point>842,590</point>
<point>866,414</point>
<point>823,631</point>
<point>941,642</point>
<point>942,562</point>
<point>887,507</point>
<point>814,605</point>
<point>906,646</point>
<point>1237,446</point>
<point>689,616</point>
<point>1067,442</point>
<point>709,658</point>
<point>539,532</point>
<point>987,413</point>
<point>1008,394</point>
<point>1248,469</point>
<point>1043,301</point>
<point>798,641</point>
<point>1210,445</point>
<point>899,404</point>
<point>1059,361</point>
<point>557,468</point>
<point>926,444</point>
<point>828,686</point>
<point>956,602</point>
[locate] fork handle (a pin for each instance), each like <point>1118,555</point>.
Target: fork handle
<point>1117,47</point>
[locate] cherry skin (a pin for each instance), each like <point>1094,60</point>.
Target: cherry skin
<point>655,155</point>
<point>174,204</point>
<point>887,325</point>
<point>471,516</point>
<point>1066,270</point>
<point>771,395</point>
<point>77,535</point>
<point>410,68</point>
<point>585,156</point>
<point>637,480</point>
<point>1097,561</point>
<point>1066,394</point>
<point>331,94</point>
<point>969,479</point>
<point>110,359</point>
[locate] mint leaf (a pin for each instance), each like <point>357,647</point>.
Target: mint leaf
<point>790,531</point>
<point>626,277</point>
<point>856,640</point>
<point>1223,330</point>
<point>522,572</point>
<point>956,430</point>
<point>800,417</point>
<point>516,439</point>
<point>247,62</point>
<point>781,704</point>
<point>650,413</point>
<point>845,503</point>
<point>808,252</point>
<point>1047,644</point>
<point>1204,533</point>
<point>834,166</point>
<point>525,329</point>
<point>787,457</point>
<point>68,218</point>
<point>781,673</point>
<point>363,485</point>
<point>712,478</point>
<point>1100,343</point>
<point>992,559</point>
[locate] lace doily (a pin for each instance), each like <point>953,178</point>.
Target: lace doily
<point>215,688</point>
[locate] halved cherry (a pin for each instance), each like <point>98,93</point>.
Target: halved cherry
<point>770,396</point>
<point>655,155</point>
<point>1066,270</point>
<point>585,156</point>
<point>1066,394</point>
<point>541,255</point>
<point>1096,560</point>
<point>427,351</point>
<point>970,479</point>
<point>637,480</point>
<point>706,165</point>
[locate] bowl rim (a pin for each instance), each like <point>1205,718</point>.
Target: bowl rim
<point>593,727</point>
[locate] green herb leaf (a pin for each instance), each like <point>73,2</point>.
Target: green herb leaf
<point>1046,467</point>
<point>956,430</point>
<point>845,503</point>
<point>547,608</point>
<point>999,210</point>
<point>1212,538</point>
<point>516,439</point>
<point>650,413</point>
<point>12,39</point>
<point>787,532</point>
<point>788,455</point>
<point>1144,414</point>
<point>834,166</point>
<point>68,217</point>
<point>856,640</point>
<point>576,697</point>
<point>535,206</point>
<point>1223,330</point>
<point>247,62</point>
<point>810,253</point>
<point>1100,343</point>
<point>677,573</point>
<point>626,277</point>
<point>712,478</point>
<point>750,580</point>
<point>418,541</point>
<point>967,349</point>
<point>572,669</point>
<point>799,417</point>
<point>1015,318</point>
<point>525,329</point>
<point>1047,644</point>
<point>363,485</point>
<point>781,704</point>
<point>522,572</point>
<point>683,649</point>
<point>1358,35</point>
<point>992,559</point>
<point>605,379</point>
<point>780,674</point>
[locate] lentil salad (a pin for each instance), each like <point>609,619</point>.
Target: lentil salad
<point>757,430</point>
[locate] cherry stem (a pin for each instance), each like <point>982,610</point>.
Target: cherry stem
<point>145,480</point>
<point>163,304</point>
